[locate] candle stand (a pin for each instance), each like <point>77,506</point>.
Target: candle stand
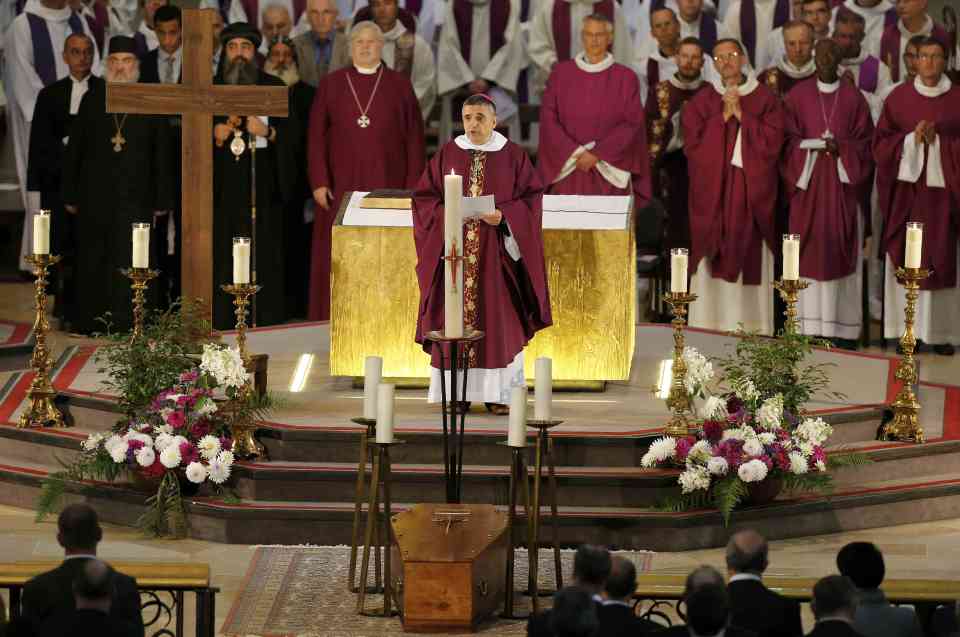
<point>544,454</point>
<point>242,430</point>
<point>381,540</point>
<point>678,401</point>
<point>518,482</point>
<point>790,291</point>
<point>41,411</point>
<point>367,437</point>
<point>452,438</point>
<point>139,281</point>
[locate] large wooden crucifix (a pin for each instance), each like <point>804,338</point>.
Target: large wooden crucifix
<point>197,100</point>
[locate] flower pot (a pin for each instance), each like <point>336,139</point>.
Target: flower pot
<point>763,492</point>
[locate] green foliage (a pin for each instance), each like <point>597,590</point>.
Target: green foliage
<point>137,370</point>
<point>727,494</point>
<point>166,515</point>
<point>89,466</point>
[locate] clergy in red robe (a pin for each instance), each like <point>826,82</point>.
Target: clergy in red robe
<point>365,133</point>
<point>826,165</point>
<point>733,134</point>
<point>917,150</point>
<point>591,146</point>
<point>504,280</point>
<point>914,20</point>
<point>671,181</point>
<point>796,64</point>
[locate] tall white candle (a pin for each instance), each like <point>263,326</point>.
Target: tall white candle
<point>543,388</point>
<point>241,260</point>
<point>372,374</point>
<point>678,270</point>
<point>41,232</point>
<point>791,257</point>
<point>517,431</point>
<point>385,392</point>
<point>914,244</point>
<point>141,245</point>
<point>452,242</point>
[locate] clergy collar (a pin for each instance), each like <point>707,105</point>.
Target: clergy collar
<point>684,85</point>
<point>932,91</point>
<point>492,145</point>
<point>581,61</point>
<point>880,9</point>
<point>395,33</point>
<point>926,29</point>
<point>368,70</point>
<point>744,89</point>
<point>828,88</point>
<point>56,15</point>
<point>797,73</point>
<point>83,81</point>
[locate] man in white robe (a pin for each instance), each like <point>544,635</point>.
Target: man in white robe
<point>877,15</point>
<point>816,13</point>
<point>767,16</point>
<point>406,52</point>
<point>430,15</point>
<point>691,13</point>
<point>34,44</point>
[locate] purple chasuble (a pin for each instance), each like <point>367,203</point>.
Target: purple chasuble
<point>43,60</point>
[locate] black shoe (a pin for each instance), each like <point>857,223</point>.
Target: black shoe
<point>945,349</point>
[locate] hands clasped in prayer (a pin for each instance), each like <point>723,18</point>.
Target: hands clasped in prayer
<point>731,104</point>
<point>926,131</point>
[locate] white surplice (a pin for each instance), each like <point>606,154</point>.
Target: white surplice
<point>765,10</point>
<point>423,75</point>
<point>543,47</point>
<point>875,18</point>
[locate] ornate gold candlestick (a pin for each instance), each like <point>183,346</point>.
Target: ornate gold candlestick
<point>905,426</point>
<point>41,412</point>
<point>790,291</point>
<point>678,401</point>
<point>245,443</point>
<point>140,279</point>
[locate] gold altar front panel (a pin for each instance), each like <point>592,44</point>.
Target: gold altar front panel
<point>592,279</point>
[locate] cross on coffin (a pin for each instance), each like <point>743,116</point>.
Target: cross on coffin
<point>197,100</point>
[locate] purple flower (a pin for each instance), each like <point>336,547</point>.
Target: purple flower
<point>189,453</point>
<point>134,445</point>
<point>712,431</point>
<point>176,419</point>
<point>734,404</point>
<point>683,448</point>
<point>189,376</point>
<point>732,451</point>
<point>818,455</point>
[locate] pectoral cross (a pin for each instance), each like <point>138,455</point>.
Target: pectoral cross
<point>118,142</point>
<point>363,121</point>
<point>454,259</point>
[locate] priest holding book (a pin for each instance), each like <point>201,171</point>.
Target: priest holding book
<point>501,279</point>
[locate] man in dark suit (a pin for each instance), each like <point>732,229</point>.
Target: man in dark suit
<point>51,593</point>
<point>863,563</point>
<point>753,606</point>
<point>92,589</point>
<point>53,113</point>
<point>163,64</point>
<point>617,618</point>
<point>591,567</point>
<point>704,611</point>
<point>834,606</point>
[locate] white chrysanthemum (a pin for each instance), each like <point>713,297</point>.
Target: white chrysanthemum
<point>163,441</point>
<point>179,440</point>
<point>746,391</point>
<point>718,466</point>
<point>660,450</point>
<point>699,371</point>
<point>701,451</point>
<point>805,448</point>
<point>209,447</point>
<point>714,409</point>
<point>752,471</point>
<point>196,472</point>
<point>694,479</point>
<point>735,433</point>
<point>798,464</point>
<point>92,442</point>
<point>752,447</point>
<point>814,430</point>
<point>170,457</point>
<point>112,442</point>
<point>224,364</point>
<point>205,406</point>
<point>766,438</point>
<point>165,429</point>
<point>226,457</point>
<point>821,465</point>
<point>771,412</point>
<point>218,472</point>
<point>145,456</point>
<point>118,451</point>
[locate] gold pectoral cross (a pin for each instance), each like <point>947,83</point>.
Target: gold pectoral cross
<point>118,142</point>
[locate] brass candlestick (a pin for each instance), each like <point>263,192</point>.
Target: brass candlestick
<point>790,291</point>
<point>905,426</point>
<point>140,279</point>
<point>41,412</point>
<point>245,443</point>
<point>368,437</point>
<point>678,401</point>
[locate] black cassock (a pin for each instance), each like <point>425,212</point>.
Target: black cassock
<point>276,172</point>
<point>112,190</point>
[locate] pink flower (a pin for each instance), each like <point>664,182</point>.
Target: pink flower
<point>780,456</point>
<point>818,455</point>
<point>183,400</point>
<point>189,453</point>
<point>134,445</point>
<point>765,459</point>
<point>176,419</point>
<point>712,431</point>
<point>683,447</point>
<point>200,429</point>
<point>155,470</point>
<point>731,450</point>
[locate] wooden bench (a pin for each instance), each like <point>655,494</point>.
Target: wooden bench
<point>153,580</point>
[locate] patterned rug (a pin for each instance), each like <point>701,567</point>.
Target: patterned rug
<point>301,591</point>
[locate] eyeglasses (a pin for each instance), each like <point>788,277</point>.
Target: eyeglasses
<point>927,57</point>
<point>726,58</point>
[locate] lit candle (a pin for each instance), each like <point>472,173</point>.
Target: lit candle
<point>914,244</point>
<point>791,257</point>
<point>543,388</point>
<point>41,232</point>
<point>517,432</point>
<point>678,270</point>
<point>241,260</point>
<point>372,374</point>
<point>452,243</point>
<point>141,245</point>
<point>385,393</point>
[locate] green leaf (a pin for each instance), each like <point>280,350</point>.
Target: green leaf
<point>727,494</point>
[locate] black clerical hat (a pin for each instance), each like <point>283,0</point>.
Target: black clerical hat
<point>241,30</point>
<point>123,44</point>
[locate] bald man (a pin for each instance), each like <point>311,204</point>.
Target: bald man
<point>323,49</point>
<point>753,606</point>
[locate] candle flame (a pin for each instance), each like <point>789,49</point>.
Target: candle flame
<point>453,172</point>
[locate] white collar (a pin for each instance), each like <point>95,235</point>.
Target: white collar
<point>492,145</point>
<point>684,85</point>
<point>82,82</point>
<point>932,91</point>
<point>880,9</point>
<point>926,29</point>
<point>581,61</point>
<point>367,70</point>
<point>80,556</point>
<point>54,15</point>
<point>745,577</point>
<point>395,33</point>
<point>796,73</point>
<point>657,55</point>
<point>695,22</point>
<point>615,602</point>
<point>744,89</point>
<point>827,89</point>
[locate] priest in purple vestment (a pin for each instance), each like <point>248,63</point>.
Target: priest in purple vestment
<point>826,164</point>
<point>733,134</point>
<point>365,133</point>
<point>504,279</point>
<point>591,146</point>
<point>917,150</point>
<point>914,20</point>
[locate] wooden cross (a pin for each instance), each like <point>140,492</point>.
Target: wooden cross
<point>197,100</point>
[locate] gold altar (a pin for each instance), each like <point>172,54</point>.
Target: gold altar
<point>592,279</point>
